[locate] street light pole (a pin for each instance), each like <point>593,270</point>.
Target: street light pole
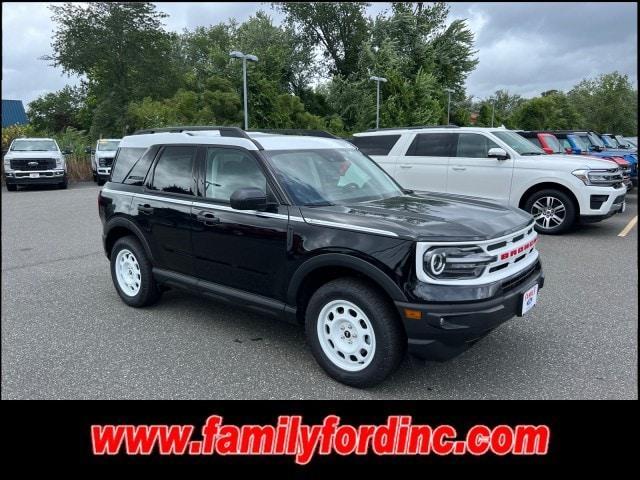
<point>378,80</point>
<point>493,110</point>
<point>448,90</point>
<point>244,57</point>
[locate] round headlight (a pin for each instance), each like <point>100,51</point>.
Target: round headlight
<point>436,262</point>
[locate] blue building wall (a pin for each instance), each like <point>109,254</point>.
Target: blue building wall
<point>13,113</point>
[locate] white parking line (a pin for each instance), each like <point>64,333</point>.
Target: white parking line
<point>630,225</point>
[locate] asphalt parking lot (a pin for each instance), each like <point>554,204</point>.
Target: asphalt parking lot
<point>66,334</point>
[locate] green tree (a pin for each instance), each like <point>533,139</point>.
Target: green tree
<point>608,103</point>
<point>551,111</point>
<point>338,28</point>
<point>55,111</point>
<point>123,51</point>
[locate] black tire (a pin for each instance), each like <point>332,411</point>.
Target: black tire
<point>95,177</point>
<point>149,293</point>
<point>390,337</point>
<point>101,182</point>
<point>558,197</point>
<point>64,184</point>
<point>12,188</point>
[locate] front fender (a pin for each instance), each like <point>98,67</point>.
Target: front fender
<point>345,261</point>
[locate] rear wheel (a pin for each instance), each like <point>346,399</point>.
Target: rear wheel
<point>132,273</point>
<point>552,210</point>
<point>354,332</point>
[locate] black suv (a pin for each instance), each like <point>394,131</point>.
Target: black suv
<point>312,230</point>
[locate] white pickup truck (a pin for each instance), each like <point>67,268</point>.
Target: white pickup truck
<point>499,165</point>
<point>102,159</point>
<point>34,161</point>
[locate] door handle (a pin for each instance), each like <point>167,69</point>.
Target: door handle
<point>406,166</point>
<point>459,169</point>
<point>145,209</point>
<point>207,218</point>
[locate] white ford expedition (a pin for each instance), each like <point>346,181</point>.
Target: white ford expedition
<point>36,161</point>
<point>499,165</point>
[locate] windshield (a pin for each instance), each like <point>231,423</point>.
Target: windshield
<point>595,140</point>
<point>108,145</point>
<point>580,142</point>
<point>33,146</point>
<point>553,143</point>
<point>610,141</point>
<point>518,143</point>
<point>331,176</point>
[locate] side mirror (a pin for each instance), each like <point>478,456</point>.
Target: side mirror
<point>248,199</point>
<point>87,150</point>
<point>547,150</point>
<point>568,150</point>
<point>497,153</point>
<point>66,151</point>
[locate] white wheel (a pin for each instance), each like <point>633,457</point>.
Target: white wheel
<point>128,273</point>
<point>346,335</point>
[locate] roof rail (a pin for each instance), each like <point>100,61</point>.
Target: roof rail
<point>418,127</point>
<point>225,131</point>
<point>294,131</point>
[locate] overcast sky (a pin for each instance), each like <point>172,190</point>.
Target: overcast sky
<point>526,48</point>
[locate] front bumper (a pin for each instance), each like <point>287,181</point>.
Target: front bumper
<point>447,329</point>
<point>48,177</point>
<point>104,172</point>
<point>609,202</point>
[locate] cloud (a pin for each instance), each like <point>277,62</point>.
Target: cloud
<point>525,48</point>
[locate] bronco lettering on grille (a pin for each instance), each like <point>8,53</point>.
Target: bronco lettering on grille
<point>516,251</point>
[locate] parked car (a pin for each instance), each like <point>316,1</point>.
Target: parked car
<point>102,159</point>
<point>312,230</point>
<point>35,161</point>
<point>551,145</point>
<point>499,165</point>
<point>587,143</point>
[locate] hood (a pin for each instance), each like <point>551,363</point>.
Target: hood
<point>434,217</point>
<point>105,154</point>
<point>574,162</point>
<point>45,154</point>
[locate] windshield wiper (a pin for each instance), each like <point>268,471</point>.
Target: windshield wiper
<point>318,204</point>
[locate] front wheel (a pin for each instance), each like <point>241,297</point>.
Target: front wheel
<point>132,273</point>
<point>12,187</point>
<point>354,332</point>
<point>553,211</point>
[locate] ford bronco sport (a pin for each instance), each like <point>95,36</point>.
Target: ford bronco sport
<point>312,230</point>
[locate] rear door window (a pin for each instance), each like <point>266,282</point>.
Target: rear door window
<point>174,171</point>
<point>433,145</point>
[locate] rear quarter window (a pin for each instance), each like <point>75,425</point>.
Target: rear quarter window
<point>125,159</point>
<point>375,144</point>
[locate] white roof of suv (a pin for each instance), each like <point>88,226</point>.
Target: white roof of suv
<point>269,141</point>
<point>444,128</point>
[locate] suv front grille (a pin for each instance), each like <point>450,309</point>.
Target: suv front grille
<point>512,254</point>
<point>105,162</point>
<point>33,164</point>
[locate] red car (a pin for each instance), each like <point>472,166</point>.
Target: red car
<point>551,145</point>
